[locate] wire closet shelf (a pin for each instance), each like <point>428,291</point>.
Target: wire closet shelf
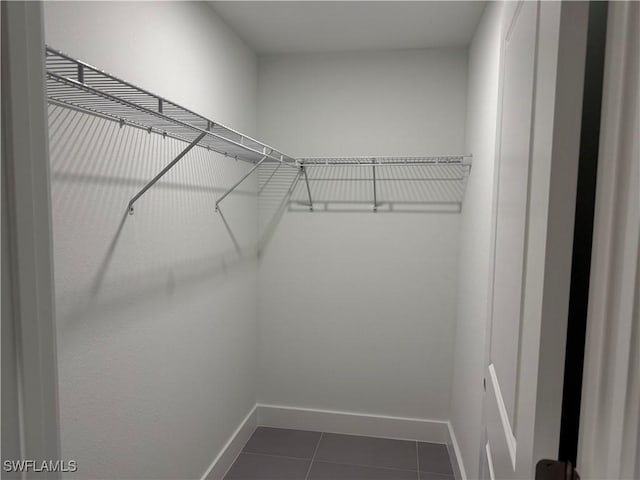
<point>463,161</point>
<point>74,84</point>
<point>394,183</point>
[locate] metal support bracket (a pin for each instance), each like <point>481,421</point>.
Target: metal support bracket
<point>306,179</point>
<point>240,181</point>
<point>375,193</point>
<point>164,171</point>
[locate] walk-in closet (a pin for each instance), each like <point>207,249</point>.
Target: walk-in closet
<point>301,240</point>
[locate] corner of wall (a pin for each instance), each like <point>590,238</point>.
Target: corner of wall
<point>232,448</point>
<point>475,242</point>
<point>459,471</point>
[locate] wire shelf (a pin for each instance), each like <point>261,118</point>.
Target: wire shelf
<point>77,85</point>
<point>461,160</point>
<point>80,86</point>
<point>434,183</point>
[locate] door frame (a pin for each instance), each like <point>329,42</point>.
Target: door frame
<point>26,205</point>
<point>583,231</point>
<point>554,154</point>
<point>609,435</point>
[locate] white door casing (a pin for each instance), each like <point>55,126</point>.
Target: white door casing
<point>542,72</point>
<point>510,205</point>
<point>28,239</point>
<point>510,224</point>
<point>609,440</point>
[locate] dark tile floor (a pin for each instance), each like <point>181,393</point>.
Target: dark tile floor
<point>276,453</point>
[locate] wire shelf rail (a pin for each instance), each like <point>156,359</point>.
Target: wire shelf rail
<point>461,160</point>
<point>446,174</point>
<point>77,85</point>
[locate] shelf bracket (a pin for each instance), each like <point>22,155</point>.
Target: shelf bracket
<point>164,171</point>
<point>306,179</point>
<point>375,193</point>
<point>240,181</point>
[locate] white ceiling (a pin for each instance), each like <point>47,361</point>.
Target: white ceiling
<point>332,26</point>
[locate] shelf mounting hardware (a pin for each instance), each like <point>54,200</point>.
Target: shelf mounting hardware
<point>240,181</point>
<point>306,179</point>
<point>164,171</point>
<point>375,193</point>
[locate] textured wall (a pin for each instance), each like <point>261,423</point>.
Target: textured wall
<point>357,310</point>
<point>156,312</point>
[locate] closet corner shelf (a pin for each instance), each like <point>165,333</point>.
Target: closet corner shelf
<point>79,86</point>
<point>437,170</point>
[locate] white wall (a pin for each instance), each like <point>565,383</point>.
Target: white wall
<point>357,310</point>
<point>475,237</point>
<point>156,312</point>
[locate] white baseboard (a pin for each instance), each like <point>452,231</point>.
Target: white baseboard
<point>454,452</point>
<point>403,428</point>
<point>232,448</point>
<point>351,423</point>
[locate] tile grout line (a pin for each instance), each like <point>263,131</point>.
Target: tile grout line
<point>317,447</point>
<point>376,467</point>
<point>314,456</point>
<point>272,454</point>
<point>448,475</point>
